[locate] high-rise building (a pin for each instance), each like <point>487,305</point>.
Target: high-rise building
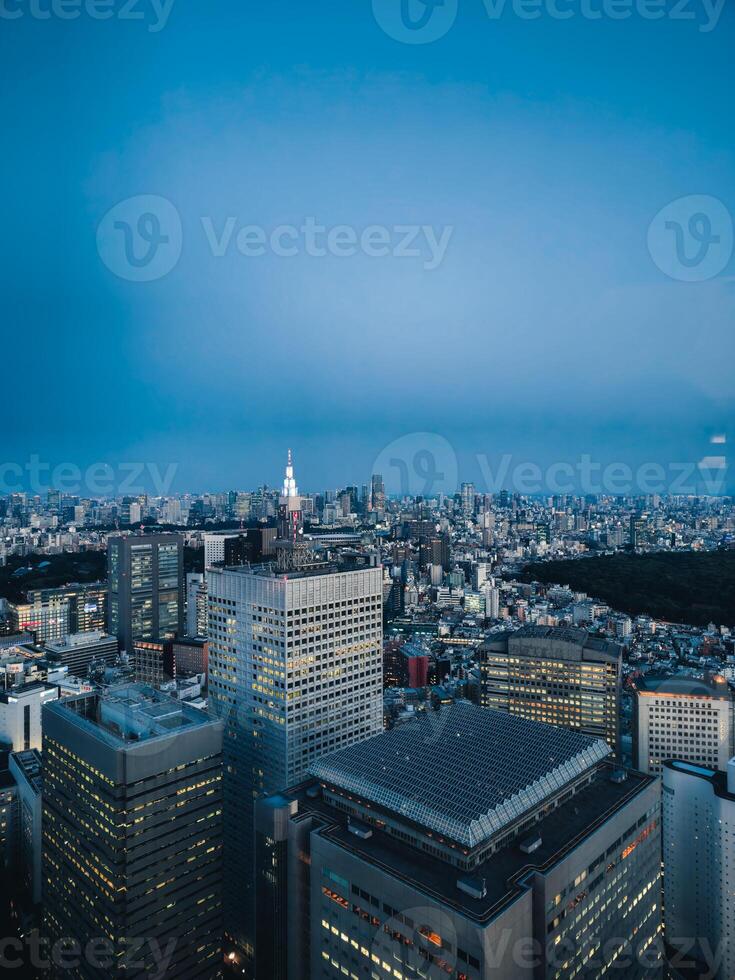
<point>699,866</point>
<point>295,671</point>
<point>377,493</point>
<point>468,843</point>
<point>132,833</point>
<point>492,602</point>
<point>467,494</point>
<point>25,767</point>
<point>561,676</point>
<point>145,575</point>
<point>21,713</point>
<point>682,718</point>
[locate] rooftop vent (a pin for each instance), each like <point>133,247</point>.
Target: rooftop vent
<point>531,843</point>
<point>359,829</point>
<point>618,776</point>
<point>474,887</point>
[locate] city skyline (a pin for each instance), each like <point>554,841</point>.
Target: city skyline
<point>367,507</point>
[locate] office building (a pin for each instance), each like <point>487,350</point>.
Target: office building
<point>146,587</point>
<point>25,768</point>
<point>682,718</point>
<point>469,843</point>
<point>149,662</point>
<point>121,863</point>
<point>467,497</point>
<point>214,547</point>
<point>21,714</point>
<point>295,670</point>
<point>699,866</point>
<point>78,651</point>
<point>561,676</point>
<point>186,657</point>
<point>377,493</point>
<point>51,614</point>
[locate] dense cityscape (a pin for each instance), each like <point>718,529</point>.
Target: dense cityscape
<point>263,731</point>
<point>367,507</point>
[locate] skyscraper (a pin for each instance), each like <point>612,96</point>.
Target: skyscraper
<point>295,671</point>
<point>145,575</point>
<point>699,865</point>
<point>377,494</point>
<point>467,491</point>
<point>560,676</point>
<point>132,833</point>
<point>467,844</point>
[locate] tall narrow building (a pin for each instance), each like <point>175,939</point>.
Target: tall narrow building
<point>295,671</point>
<point>132,834</point>
<point>145,573</point>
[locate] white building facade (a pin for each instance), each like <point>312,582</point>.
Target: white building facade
<point>683,718</point>
<point>20,714</point>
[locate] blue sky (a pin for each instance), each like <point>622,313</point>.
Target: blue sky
<point>543,149</point>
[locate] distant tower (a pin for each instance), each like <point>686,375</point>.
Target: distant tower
<point>292,551</point>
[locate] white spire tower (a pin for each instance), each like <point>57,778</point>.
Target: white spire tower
<point>289,483</point>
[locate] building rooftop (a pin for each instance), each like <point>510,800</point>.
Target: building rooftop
<point>74,641</point>
<point>505,872</point>
<point>271,569</point>
<point>723,783</point>
<point>708,686</point>
<point>565,642</point>
<point>29,765</point>
<point>431,772</point>
<point>130,713</point>
<point>23,690</point>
